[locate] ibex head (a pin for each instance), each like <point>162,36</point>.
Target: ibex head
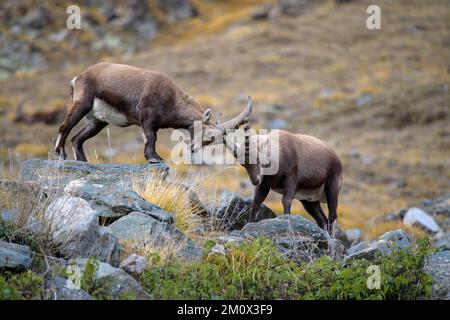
<point>214,131</point>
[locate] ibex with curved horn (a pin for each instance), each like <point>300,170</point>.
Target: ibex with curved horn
<point>308,170</point>
<point>123,95</point>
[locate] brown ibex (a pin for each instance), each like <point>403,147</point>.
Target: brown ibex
<point>123,95</point>
<point>308,170</point>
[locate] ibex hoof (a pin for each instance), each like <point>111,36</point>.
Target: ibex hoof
<point>155,160</point>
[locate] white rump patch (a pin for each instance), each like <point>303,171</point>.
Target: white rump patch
<point>105,112</point>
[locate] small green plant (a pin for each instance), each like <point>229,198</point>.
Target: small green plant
<point>23,286</point>
<point>258,270</point>
<point>89,277</point>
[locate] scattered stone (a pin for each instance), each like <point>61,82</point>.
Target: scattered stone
<point>262,12</point>
<point>364,100</point>
<point>294,7</point>
<point>353,235</point>
<point>233,211</point>
<point>59,288</point>
<point>112,203</point>
<point>177,9</point>
<point>141,230</point>
<point>74,228</point>
<point>384,245</point>
<point>14,256</point>
<point>115,281</point>
<point>438,266</point>
<point>134,264</point>
<point>236,240</point>
<point>218,249</point>
<point>416,216</point>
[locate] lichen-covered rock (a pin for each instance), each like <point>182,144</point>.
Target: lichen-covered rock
<point>233,211</point>
<point>114,281</point>
<point>134,264</point>
<point>59,288</point>
<point>74,228</point>
<point>354,235</point>
<point>438,266</point>
<point>384,245</point>
<point>296,237</point>
<point>14,256</point>
<point>58,173</point>
<point>113,203</point>
<point>141,230</point>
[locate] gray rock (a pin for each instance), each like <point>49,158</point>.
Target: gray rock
<point>219,249</point>
<point>142,230</point>
<point>262,12</point>
<point>438,266</point>
<point>59,288</point>
<point>58,173</point>
<point>14,256</point>
<point>115,281</point>
<point>235,240</point>
<point>73,226</point>
<point>114,203</point>
<point>177,9</point>
<point>384,245</point>
<point>354,234</point>
<point>416,216</point>
<point>294,7</point>
<point>364,100</point>
<point>233,211</point>
<point>296,237</point>
<point>134,264</point>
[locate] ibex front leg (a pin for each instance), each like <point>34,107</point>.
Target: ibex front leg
<point>150,144</point>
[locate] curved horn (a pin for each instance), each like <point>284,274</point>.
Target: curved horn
<point>240,118</point>
<point>207,115</point>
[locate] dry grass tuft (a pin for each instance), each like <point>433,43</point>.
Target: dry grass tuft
<point>172,194</point>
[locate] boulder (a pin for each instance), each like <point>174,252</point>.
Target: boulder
<point>438,266</point>
<point>233,211</point>
<point>297,237</point>
<point>14,256</point>
<point>74,227</point>
<point>384,245</point>
<point>114,281</point>
<point>142,231</point>
<point>58,173</point>
<point>113,203</point>
<point>59,288</point>
<point>354,235</point>
<point>416,216</point>
<point>134,264</point>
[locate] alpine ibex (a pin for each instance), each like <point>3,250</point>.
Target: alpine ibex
<point>308,170</point>
<point>123,95</point>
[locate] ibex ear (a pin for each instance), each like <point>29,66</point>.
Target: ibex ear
<point>207,115</point>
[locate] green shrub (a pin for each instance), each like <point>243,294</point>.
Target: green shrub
<point>26,285</point>
<point>258,271</point>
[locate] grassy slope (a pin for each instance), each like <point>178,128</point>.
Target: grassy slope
<point>402,136</point>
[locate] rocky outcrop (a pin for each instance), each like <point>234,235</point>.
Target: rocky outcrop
<point>142,231</point>
<point>114,281</point>
<point>54,174</point>
<point>74,228</point>
<point>112,203</point>
<point>418,217</point>
<point>384,245</point>
<point>14,256</point>
<point>233,211</point>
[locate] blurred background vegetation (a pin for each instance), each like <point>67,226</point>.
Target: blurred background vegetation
<point>379,97</point>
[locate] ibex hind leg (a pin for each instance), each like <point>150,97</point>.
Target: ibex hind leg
<point>315,210</point>
<point>90,129</point>
<point>81,105</point>
<point>332,194</point>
